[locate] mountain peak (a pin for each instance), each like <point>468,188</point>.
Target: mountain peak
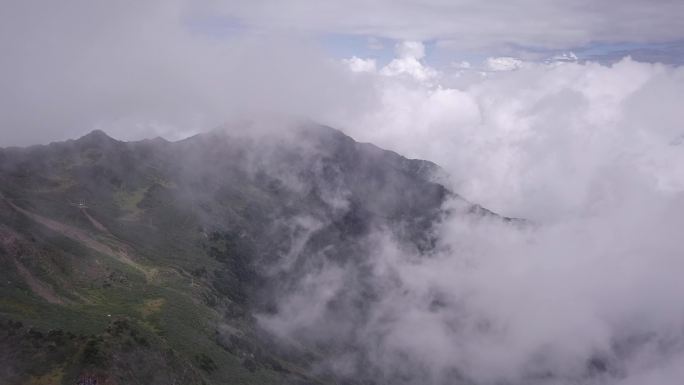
<point>96,134</point>
<point>96,137</point>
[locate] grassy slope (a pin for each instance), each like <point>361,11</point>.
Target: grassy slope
<point>165,299</point>
<point>143,284</point>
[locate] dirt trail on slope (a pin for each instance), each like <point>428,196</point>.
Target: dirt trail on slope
<point>14,250</point>
<point>42,289</point>
<point>121,252</point>
<point>94,222</point>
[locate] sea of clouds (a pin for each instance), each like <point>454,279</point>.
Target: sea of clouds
<point>592,156</point>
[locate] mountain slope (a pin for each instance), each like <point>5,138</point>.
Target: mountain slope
<point>145,262</point>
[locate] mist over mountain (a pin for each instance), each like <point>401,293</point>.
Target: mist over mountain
<point>418,192</point>
<point>287,252</point>
<point>159,260</point>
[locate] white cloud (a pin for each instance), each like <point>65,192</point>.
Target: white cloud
<point>139,71</point>
<point>357,64</point>
<point>585,151</point>
<point>409,62</point>
<point>565,57</point>
<point>517,132</point>
<point>503,63</point>
<point>410,49</point>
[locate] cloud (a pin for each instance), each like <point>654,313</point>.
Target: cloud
<point>410,50</point>
<point>564,57</point>
<point>140,71</point>
<point>518,132</point>
<point>586,301</point>
<point>587,295</point>
<point>361,65</point>
<point>174,67</point>
<point>503,63</point>
<point>408,62</point>
<point>473,24</point>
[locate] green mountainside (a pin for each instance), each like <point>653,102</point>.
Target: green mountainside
<point>145,262</point>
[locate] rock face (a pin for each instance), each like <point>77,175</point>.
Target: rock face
<point>144,262</point>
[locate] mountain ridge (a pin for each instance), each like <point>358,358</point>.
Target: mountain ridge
<point>168,249</point>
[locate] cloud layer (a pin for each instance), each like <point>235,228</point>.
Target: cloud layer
<point>144,70</point>
<point>474,24</point>
<point>591,154</point>
<point>176,67</point>
<point>544,141</point>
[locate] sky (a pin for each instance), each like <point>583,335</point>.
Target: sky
<point>175,67</point>
<point>565,113</point>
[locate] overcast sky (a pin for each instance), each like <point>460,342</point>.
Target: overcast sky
<point>466,77</point>
<point>174,67</point>
<point>470,24</point>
